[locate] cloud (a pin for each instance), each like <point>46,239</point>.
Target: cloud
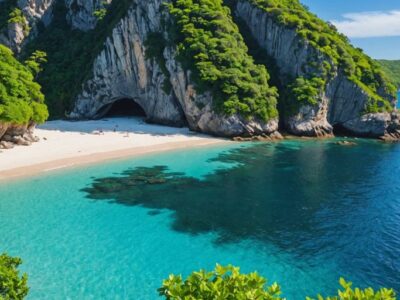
<point>370,24</point>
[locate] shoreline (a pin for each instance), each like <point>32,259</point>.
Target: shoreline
<point>91,159</point>
<point>65,144</point>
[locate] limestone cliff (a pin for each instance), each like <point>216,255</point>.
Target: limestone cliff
<point>33,11</point>
<point>341,104</point>
<point>123,71</point>
<point>81,13</point>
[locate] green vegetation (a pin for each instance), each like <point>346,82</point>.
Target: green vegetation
<point>222,283</point>
<point>392,70</point>
<point>12,285</point>
<point>21,100</point>
<point>16,16</point>
<point>100,13</point>
<point>71,54</point>
<point>306,90</point>
<point>347,293</point>
<point>324,37</point>
<point>229,284</point>
<point>36,61</point>
<point>210,46</point>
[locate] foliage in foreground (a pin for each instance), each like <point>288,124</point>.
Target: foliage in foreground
<point>21,100</point>
<point>210,45</point>
<point>12,285</point>
<point>228,283</point>
<point>222,283</point>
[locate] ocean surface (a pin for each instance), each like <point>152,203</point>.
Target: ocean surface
<point>302,213</point>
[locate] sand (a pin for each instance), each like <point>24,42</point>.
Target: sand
<point>66,144</point>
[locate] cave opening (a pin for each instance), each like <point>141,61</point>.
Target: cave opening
<point>125,107</point>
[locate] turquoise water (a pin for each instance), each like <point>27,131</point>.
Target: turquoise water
<point>300,213</point>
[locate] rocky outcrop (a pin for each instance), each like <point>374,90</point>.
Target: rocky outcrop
<point>34,11</point>
<point>341,104</point>
<point>37,10</point>
<point>12,134</point>
<point>122,71</point>
<point>81,13</point>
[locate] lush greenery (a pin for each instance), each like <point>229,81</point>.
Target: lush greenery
<point>16,16</point>
<point>210,46</point>
<point>392,69</point>
<point>222,283</point>
<point>70,54</point>
<point>13,286</point>
<point>229,284</point>
<point>348,293</point>
<point>21,100</point>
<point>324,37</point>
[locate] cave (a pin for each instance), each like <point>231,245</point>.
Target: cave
<point>124,107</point>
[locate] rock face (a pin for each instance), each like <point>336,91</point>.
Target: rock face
<point>122,71</point>
<point>342,103</point>
<point>12,134</point>
<point>81,13</point>
<point>34,11</point>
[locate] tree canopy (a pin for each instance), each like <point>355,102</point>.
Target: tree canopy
<point>21,99</point>
<point>13,286</point>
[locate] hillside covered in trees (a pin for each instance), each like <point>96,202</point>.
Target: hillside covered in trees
<point>392,69</point>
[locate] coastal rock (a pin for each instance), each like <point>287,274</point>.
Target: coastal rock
<point>6,145</point>
<point>122,71</point>
<point>341,104</point>
<point>3,129</point>
<point>11,134</point>
<point>81,13</point>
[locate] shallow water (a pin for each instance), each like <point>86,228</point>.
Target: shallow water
<point>302,213</point>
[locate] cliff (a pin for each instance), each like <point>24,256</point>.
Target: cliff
<point>122,70</point>
<point>187,64</point>
<point>340,102</point>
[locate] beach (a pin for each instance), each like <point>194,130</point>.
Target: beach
<point>66,144</point>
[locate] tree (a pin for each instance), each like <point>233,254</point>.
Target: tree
<point>35,61</point>
<point>21,99</point>
<point>12,285</point>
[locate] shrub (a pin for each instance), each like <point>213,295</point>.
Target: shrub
<point>229,284</point>
<point>222,283</point>
<point>348,293</point>
<point>16,16</point>
<point>12,285</point>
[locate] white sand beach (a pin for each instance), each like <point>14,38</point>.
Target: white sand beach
<point>66,144</point>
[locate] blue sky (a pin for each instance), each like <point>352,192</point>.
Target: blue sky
<point>373,25</point>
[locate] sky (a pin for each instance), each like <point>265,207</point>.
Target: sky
<point>373,25</point>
